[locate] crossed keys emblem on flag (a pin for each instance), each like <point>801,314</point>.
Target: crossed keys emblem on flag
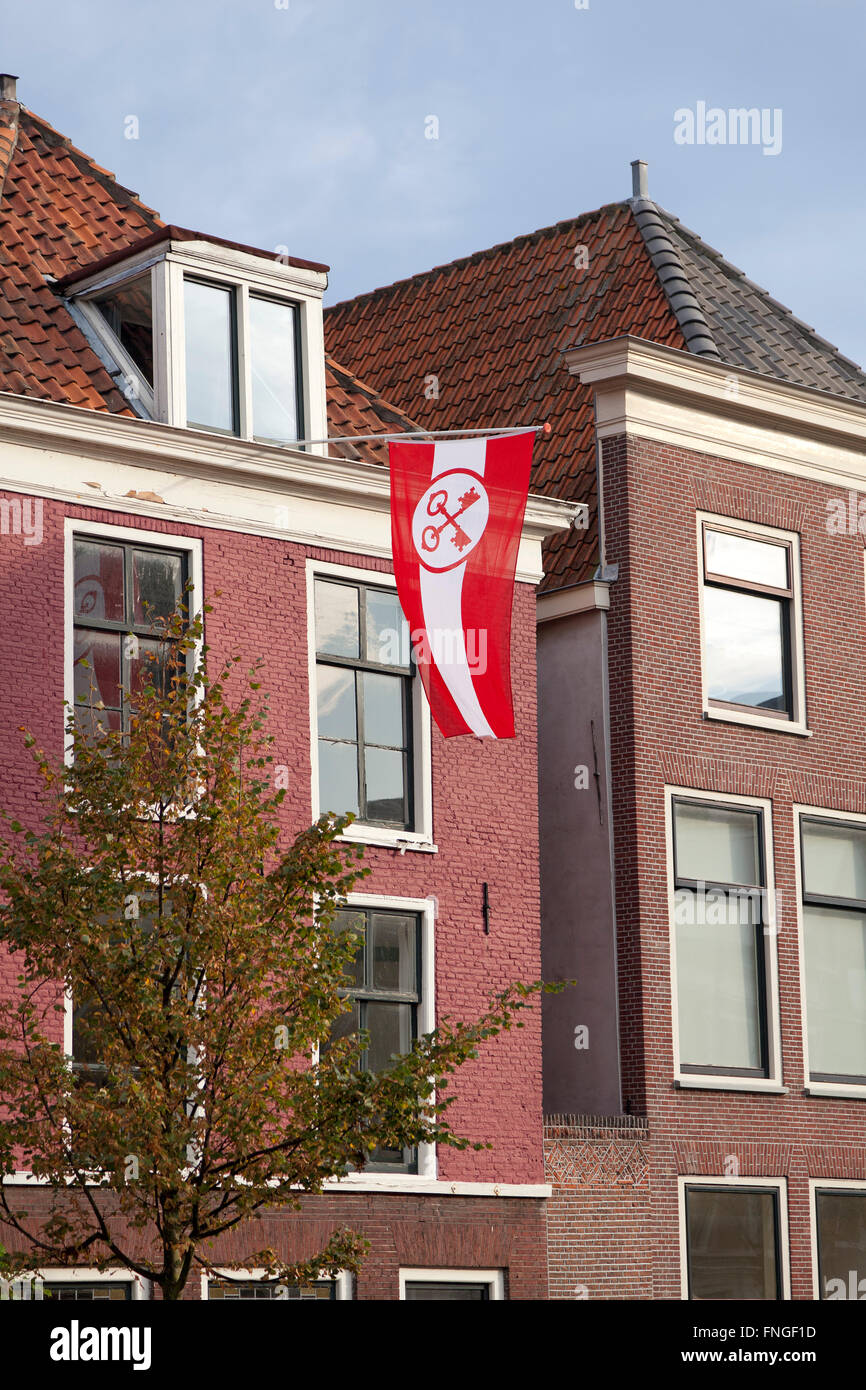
<point>450,518</point>
<point>438,506</point>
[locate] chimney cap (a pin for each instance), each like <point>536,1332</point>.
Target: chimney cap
<point>8,87</point>
<point>639,183</point>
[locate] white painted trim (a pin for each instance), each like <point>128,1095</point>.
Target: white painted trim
<point>702,1180</point>
<point>343,1281</point>
<point>75,526</point>
<point>579,598</point>
<point>217,481</point>
<point>397,1185</point>
<point>142,1289</point>
<point>797,724</point>
<point>773,1082</point>
<point>422,760</point>
<point>840,1090</point>
<point>493,1278</point>
<point>825,1185</point>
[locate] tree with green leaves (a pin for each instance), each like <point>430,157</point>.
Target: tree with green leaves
<point>158,903</point>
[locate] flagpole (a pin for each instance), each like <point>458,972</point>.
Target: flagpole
<point>418,434</point>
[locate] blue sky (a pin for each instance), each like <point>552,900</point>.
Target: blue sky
<point>301,123</point>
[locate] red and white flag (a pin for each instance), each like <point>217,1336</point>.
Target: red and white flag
<point>456,517</point>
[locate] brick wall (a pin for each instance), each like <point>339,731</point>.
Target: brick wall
<point>598,1217</point>
<point>485,805</point>
<point>652,492</point>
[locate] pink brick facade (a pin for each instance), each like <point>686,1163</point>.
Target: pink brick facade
<point>485,828</point>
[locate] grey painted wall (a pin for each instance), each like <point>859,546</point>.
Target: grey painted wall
<point>577,911</point>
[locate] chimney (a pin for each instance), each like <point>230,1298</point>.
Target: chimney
<point>639,185</point>
<point>8,87</point>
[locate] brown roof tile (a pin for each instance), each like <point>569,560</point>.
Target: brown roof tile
<point>492,329</point>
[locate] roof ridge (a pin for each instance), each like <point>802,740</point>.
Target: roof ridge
<point>734,272</point>
<point>88,165</point>
<point>673,278</point>
<point>9,117</point>
<point>476,256</point>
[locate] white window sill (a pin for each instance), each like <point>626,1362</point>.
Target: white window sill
<point>831,1088</point>
<point>762,1085</point>
<point>389,839</point>
<point>758,721</point>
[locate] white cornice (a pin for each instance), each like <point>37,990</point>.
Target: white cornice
<point>694,402</point>
<point>53,450</point>
<point>578,598</point>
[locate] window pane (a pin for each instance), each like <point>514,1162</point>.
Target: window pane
<point>390,1033</point>
<point>732,1244</point>
<point>452,1293</point>
<point>757,562</point>
<point>834,860</point>
<point>157,584</point>
<point>355,922</point>
<point>336,619</point>
<point>252,1290</point>
<point>347,1025</point>
<point>383,709</point>
<point>149,664</point>
<point>716,844</point>
<point>76,1292</point>
<point>83,1044</point>
<point>745,660</point>
<point>717,989</point>
<point>128,311</point>
<point>841,1243</point>
<point>835,950</point>
<point>209,356</point>
<point>387,630</point>
<point>94,723</point>
<point>99,678</point>
<point>272,355</point>
<point>336,702</point>
<point>338,777</point>
<point>98,581</point>
<point>384,785</point>
<point>392,953</point>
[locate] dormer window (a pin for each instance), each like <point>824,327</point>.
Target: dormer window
<point>209,336</point>
<point>225,327</point>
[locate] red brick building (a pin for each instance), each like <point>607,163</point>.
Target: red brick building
<point>144,420</point>
<point>702,750</point>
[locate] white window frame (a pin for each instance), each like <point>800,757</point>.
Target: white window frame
<point>74,527</point>
<point>142,1289</point>
<point>421,838</point>
<point>772,1083</point>
<point>427,1158</point>
<point>842,1090</point>
<point>797,723</point>
<point>704,1180</point>
<point>826,1185</point>
<point>493,1278</point>
<point>168,263</point>
<point>343,1281</point>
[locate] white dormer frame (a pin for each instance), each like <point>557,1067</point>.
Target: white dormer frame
<point>168,263</point>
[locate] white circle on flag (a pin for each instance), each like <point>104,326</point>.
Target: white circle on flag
<point>450,519</point>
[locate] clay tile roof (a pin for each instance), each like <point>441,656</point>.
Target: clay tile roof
<point>62,216</point>
<point>491,329</point>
